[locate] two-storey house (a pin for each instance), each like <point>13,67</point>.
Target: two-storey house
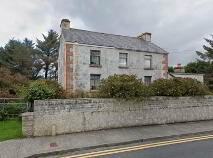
<point>86,57</point>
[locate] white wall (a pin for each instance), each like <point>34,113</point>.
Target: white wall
<point>198,77</point>
<point>110,64</point>
<point>61,63</point>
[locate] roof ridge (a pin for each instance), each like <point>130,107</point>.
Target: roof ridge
<point>105,33</point>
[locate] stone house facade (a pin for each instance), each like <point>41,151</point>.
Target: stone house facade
<point>86,57</point>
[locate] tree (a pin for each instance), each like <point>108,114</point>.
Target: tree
<point>206,62</point>
<point>199,67</point>
<point>170,69</point>
<point>17,56</point>
<point>207,55</point>
<point>48,54</point>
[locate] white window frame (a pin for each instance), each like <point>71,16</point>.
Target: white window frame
<point>149,59</point>
<point>124,57</point>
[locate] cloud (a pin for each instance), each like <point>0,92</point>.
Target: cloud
<point>24,19</point>
<point>178,26</point>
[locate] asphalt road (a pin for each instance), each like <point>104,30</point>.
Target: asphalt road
<point>191,147</point>
<point>199,149</point>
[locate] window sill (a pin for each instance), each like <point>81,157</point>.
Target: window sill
<point>123,67</point>
<point>97,66</point>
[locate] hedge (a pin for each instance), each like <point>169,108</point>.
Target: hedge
<point>125,86</point>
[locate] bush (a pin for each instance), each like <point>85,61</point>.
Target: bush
<point>11,110</point>
<point>16,109</point>
<point>178,87</point>
<point>10,83</point>
<point>43,89</point>
<point>3,115</point>
<point>122,86</point>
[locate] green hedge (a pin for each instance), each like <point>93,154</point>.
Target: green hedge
<point>178,87</point>
<point>124,86</point>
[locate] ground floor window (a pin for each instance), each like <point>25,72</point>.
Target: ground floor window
<point>94,81</point>
<point>147,79</point>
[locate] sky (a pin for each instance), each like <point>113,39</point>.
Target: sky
<point>178,26</point>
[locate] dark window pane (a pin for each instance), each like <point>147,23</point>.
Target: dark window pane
<point>95,57</point>
<point>147,79</point>
<point>94,81</point>
<point>148,61</point>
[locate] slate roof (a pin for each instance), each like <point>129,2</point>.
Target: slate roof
<point>109,40</point>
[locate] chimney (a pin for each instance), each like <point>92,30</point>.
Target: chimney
<point>65,24</point>
<point>145,36</point>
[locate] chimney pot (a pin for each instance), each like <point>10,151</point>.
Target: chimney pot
<point>65,24</point>
<point>145,36</point>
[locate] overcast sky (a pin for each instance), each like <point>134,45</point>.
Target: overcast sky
<point>178,26</point>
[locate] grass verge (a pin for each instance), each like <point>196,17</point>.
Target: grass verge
<point>10,129</point>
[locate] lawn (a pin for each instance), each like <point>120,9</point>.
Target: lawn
<point>10,129</point>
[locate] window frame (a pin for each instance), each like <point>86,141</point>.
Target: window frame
<point>96,79</point>
<point>150,60</point>
<point>125,58</point>
<point>96,54</point>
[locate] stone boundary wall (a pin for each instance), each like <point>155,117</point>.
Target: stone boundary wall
<point>27,124</point>
<point>76,115</point>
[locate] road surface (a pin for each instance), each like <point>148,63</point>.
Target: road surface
<point>190,147</point>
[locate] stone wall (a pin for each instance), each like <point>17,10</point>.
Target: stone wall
<point>27,124</point>
<point>76,115</point>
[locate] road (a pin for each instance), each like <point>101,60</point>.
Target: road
<point>191,147</point>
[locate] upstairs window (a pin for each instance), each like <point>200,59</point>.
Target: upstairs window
<point>123,59</point>
<point>94,81</point>
<point>95,57</point>
<point>148,62</point>
<point>147,80</point>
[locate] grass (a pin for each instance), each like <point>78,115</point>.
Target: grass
<point>10,129</point>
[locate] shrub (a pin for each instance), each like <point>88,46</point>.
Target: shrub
<point>178,87</point>
<point>43,89</point>
<point>11,110</point>
<point>3,115</point>
<point>122,86</point>
<point>17,109</point>
<point>10,83</point>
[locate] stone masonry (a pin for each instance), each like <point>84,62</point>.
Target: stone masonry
<point>78,115</point>
<point>74,68</point>
<point>27,124</point>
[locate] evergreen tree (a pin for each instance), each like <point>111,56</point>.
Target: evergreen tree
<point>17,56</point>
<point>207,55</point>
<point>171,69</point>
<point>201,67</point>
<point>207,59</point>
<point>48,53</point>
